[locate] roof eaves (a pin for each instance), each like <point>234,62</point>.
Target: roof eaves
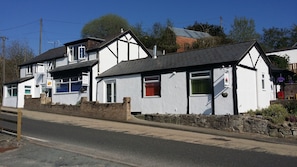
<point>20,80</point>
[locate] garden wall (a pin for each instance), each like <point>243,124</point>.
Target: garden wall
<point>108,111</point>
<point>232,123</point>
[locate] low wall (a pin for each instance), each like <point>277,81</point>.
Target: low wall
<point>232,123</point>
<point>108,111</point>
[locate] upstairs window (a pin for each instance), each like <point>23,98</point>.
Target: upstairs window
<point>29,70</point>
<point>76,52</point>
<point>152,86</point>
<point>200,83</point>
<point>82,52</point>
<point>51,65</point>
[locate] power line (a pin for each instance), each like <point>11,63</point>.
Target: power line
<point>19,26</point>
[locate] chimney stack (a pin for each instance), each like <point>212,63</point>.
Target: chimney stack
<point>155,52</point>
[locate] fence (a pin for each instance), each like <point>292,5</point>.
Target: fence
<point>18,121</point>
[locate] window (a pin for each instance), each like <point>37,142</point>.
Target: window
<point>111,92</point>
<point>200,83</point>
<point>29,69</point>
<point>263,81</point>
<point>82,52</point>
<point>27,90</point>
<point>51,65</point>
<point>76,52</point>
<point>72,84</point>
<point>152,86</point>
<point>12,90</point>
<point>75,84</point>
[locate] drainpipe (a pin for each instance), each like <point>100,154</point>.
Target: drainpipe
<point>97,89</point>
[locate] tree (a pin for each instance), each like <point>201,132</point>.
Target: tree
<point>275,38</point>
<point>280,62</point>
<point>159,35</point>
<point>217,32</point>
<point>243,29</point>
<point>278,38</point>
<point>105,26</point>
<point>17,53</point>
<point>213,30</point>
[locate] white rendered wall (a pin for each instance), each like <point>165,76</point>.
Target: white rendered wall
<point>21,91</point>
<point>173,98</point>
<point>106,60</point>
<point>246,89</point>
<point>23,71</point>
<point>251,94</point>
<point>92,55</point>
<point>8,101</point>
<point>264,95</point>
<point>291,53</point>
<point>68,98</point>
<point>94,82</point>
<point>223,105</point>
<point>61,61</point>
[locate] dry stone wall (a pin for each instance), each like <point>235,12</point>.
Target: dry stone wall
<point>231,123</point>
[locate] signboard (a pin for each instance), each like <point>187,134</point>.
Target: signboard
<point>49,83</point>
<point>226,79</point>
<point>85,79</point>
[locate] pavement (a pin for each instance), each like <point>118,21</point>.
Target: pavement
<point>62,155</point>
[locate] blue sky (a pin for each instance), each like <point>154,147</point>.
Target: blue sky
<point>64,19</point>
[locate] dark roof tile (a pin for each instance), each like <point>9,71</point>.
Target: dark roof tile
<point>48,55</point>
<point>217,55</point>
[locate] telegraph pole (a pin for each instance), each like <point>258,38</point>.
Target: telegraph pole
<point>40,36</point>
<point>221,22</point>
<point>3,58</point>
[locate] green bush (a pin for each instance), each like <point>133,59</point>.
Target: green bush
<point>291,106</point>
<point>275,113</point>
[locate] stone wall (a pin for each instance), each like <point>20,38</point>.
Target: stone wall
<point>291,90</point>
<point>108,111</point>
<point>232,123</point>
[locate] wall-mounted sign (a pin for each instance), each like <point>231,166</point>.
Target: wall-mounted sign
<point>226,79</point>
<point>85,79</point>
<point>49,83</point>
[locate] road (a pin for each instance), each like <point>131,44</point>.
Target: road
<point>147,149</point>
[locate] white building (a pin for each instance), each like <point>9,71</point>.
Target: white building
<point>229,79</point>
<point>290,53</point>
<point>69,72</point>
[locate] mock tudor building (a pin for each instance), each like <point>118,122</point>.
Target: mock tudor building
<point>69,72</point>
<point>228,79</point>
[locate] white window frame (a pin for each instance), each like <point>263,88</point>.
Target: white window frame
<point>69,82</point>
<point>151,80</point>
<point>27,88</point>
<point>263,81</point>
<point>81,52</point>
<point>11,89</point>
<point>202,77</point>
<point>29,70</point>
<point>110,98</point>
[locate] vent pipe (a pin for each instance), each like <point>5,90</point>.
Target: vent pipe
<point>155,52</point>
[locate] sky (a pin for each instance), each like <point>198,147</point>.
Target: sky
<point>63,20</point>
